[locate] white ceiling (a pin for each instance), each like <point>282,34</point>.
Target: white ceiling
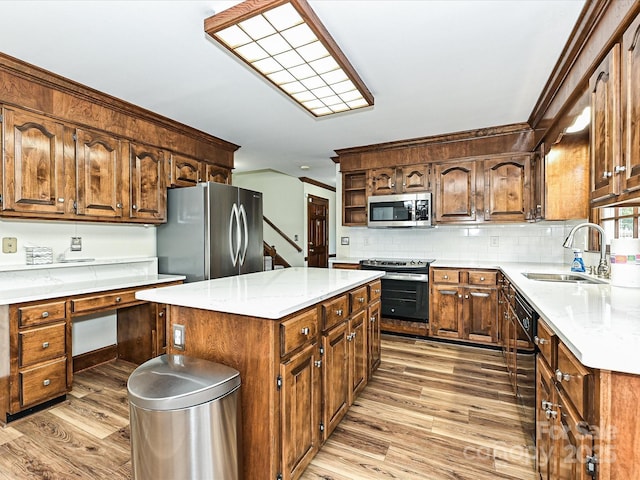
<point>433,67</point>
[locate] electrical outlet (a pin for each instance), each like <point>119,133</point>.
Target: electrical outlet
<point>9,245</point>
<point>344,240</point>
<point>76,244</point>
<point>178,337</point>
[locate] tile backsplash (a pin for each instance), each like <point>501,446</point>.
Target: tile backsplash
<point>530,242</point>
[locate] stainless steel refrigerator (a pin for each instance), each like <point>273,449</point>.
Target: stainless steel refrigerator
<point>213,230</point>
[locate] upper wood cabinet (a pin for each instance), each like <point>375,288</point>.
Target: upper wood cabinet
<point>214,173</point>
<point>184,171</point>
<point>507,189</point>
<point>404,179</point>
<point>455,197</point>
<point>631,108</point>
<point>148,191</point>
<point>354,198</point>
<point>604,86</point>
<point>34,170</point>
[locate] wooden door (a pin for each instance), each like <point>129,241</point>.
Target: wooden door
<point>299,411</point>
<point>604,86</point>
<point>318,232</point>
<point>213,173</point>
<point>374,336</point>
<point>631,107</point>
<point>335,378</point>
<point>34,170</point>
<point>100,177</point>
<point>148,191</point>
<point>479,314</point>
<point>184,171</point>
<point>383,181</point>
<point>445,311</point>
<point>455,198</point>
<point>415,178</point>
<point>507,189</point>
<point>359,366</point>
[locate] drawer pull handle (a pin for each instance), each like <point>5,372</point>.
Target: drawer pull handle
<point>305,331</point>
<point>377,290</point>
<point>118,299</point>
<point>45,314</point>
<point>361,299</point>
<point>446,277</point>
<point>339,312</point>
<point>45,345</point>
<point>562,376</point>
<point>46,383</point>
<point>539,341</point>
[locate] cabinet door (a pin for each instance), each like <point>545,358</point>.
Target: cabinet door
<point>573,443</point>
<point>147,184</point>
<point>415,178</point>
<point>299,411</point>
<point>631,106</point>
<point>34,170</point>
<point>546,413</point>
<point>507,189</point>
<point>359,366</point>
<point>604,86</point>
<point>455,192</point>
<point>99,178</point>
<point>213,173</point>
<point>160,340</point>
<point>184,171</point>
<point>335,377</point>
<point>383,181</point>
<point>445,311</point>
<point>374,336</point>
<point>479,314</point>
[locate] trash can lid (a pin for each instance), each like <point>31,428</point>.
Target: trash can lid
<point>171,382</point>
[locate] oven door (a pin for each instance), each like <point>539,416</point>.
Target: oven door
<point>405,299</point>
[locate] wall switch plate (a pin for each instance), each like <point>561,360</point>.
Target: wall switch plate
<point>9,245</point>
<point>178,336</point>
<point>76,244</point>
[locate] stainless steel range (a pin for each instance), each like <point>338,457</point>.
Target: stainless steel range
<point>405,287</point>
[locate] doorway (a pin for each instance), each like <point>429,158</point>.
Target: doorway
<point>317,232</point>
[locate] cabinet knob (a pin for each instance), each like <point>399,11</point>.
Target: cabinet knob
<point>459,295</point>
<point>61,200</point>
<point>318,363</point>
<point>446,277</point>
<point>46,382</point>
<point>482,279</point>
<point>372,319</point>
<point>606,175</point>
<point>134,207</point>
<point>118,205</point>
<point>305,331</point>
<point>550,414</point>
<point>562,376</point>
<point>361,299</point>
<point>118,299</point>
<point>45,345</point>
<point>619,168</point>
<point>161,313</point>
<point>377,290</point>
<point>466,296</point>
<point>539,341</point>
<point>45,314</point>
<point>339,312</point>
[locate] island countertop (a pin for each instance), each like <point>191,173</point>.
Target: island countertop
<point>271,294</point>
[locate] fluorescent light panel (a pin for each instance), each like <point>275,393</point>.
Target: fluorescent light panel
<point>286,43</point>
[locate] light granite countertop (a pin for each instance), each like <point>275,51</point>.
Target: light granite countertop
<point>272,294</point>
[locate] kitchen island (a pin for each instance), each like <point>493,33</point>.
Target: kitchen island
<point>305,341</point>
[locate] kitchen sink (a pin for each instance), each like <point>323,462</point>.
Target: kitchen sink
<point>560,277</point>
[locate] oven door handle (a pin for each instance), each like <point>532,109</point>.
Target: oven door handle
<point>407,277</point>
<point>478,294</point>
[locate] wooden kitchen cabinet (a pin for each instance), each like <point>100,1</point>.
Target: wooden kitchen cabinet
<point>184,171</point>
<point>463,305</point>
<point>507,189</point>
<point>401,179</point>
<point>335,376</point>
<point>373,340</point>
<point>455,196</point>
<point>34,164</point>
<point>215,173</point>
<point>141,332</point>
<point>630,179</point>
<point>358,353</point>
<point>354,198</point>
<point>148,190</point>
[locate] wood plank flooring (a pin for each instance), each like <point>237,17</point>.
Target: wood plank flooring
<point>432,411</point>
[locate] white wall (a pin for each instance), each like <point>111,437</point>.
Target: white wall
<point>284,203</point>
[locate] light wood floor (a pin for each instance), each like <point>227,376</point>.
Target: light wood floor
<point>432,411</point>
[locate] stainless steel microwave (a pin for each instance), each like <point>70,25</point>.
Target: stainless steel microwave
<point>403,210</point>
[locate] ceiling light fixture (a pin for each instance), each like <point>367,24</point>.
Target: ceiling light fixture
<point>284,41</point>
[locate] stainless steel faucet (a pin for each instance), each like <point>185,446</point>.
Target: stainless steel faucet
<point>603,267</point>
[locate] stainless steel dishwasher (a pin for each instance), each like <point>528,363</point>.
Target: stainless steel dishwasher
<point>185,420</point>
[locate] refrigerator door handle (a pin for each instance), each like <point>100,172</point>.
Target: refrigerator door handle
<point>234,222</point>
<point>245,234</point>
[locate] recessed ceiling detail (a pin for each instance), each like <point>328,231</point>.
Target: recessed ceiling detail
<point>285,42</point>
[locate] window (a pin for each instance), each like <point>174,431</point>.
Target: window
<point>618,222</point>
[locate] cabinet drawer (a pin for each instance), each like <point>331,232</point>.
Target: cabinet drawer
<point>98,302</point>
<point>482,278</point>
<point>41,344</point>
<point>446,275</point>
<point>41,383</point>
<point>547,341</point>
<point>375,290</point>
<point>41,313</point>
<point>574,378</point>
<point>358,299</point>
<point>335,311</point>
<point>297,331</point>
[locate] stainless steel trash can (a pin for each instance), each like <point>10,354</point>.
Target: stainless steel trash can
<point>185,420</point>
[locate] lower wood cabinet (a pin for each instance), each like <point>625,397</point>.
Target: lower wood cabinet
<point>335,376</point>
<point>358,354</point>
<point>373,340</point>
